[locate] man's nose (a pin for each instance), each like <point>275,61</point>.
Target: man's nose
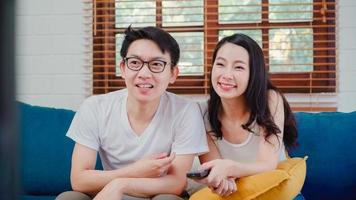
<point>144,71</point>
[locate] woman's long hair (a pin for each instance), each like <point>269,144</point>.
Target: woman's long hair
<point>256,95</point>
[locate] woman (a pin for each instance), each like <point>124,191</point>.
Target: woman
<point>248,121</point>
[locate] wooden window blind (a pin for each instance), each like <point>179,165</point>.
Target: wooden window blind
<point>297,38</point>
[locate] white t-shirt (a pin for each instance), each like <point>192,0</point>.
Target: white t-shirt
<point>102,124</point>
<point>244,152</point>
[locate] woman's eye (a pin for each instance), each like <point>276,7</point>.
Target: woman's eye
<point>239,68</point>
<point>219,64</point>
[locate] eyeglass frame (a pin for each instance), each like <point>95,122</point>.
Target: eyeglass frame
<point>165,63</point>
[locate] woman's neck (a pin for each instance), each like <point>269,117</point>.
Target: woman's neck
<point>234,109</point>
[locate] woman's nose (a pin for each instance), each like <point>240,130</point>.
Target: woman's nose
<point>227,73</point>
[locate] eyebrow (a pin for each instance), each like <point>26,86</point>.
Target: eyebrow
<point>154,58</point>
<point>236,61</point>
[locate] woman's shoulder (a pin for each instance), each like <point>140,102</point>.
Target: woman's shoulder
<point>203,105</point>
<point>274,95</point>
<point>275,100</point>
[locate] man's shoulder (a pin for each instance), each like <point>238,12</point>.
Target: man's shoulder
<point>111,96</point>
<point>105,100</point>
<point>181,105</point>
<point>177,101</point>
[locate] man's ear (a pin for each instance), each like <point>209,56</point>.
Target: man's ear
<point>174,74</point>
<point>122,68</point>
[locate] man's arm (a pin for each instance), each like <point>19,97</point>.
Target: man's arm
<point>84,177</point>
<point>173,183</point>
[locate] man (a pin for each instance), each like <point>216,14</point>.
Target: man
<point>146,137</point>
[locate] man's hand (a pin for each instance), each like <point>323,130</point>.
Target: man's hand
<point>153,166</point>
<point>113,190</point>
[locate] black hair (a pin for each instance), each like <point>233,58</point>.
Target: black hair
<point>162,38</point>
<point>256,95</point>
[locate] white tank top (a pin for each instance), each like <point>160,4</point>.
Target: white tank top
<point>243,152</point>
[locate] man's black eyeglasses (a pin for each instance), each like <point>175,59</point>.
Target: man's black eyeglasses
<point>136,64</point>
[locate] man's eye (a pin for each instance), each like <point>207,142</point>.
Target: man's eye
<point>135,62</point>
<point>157,64</point>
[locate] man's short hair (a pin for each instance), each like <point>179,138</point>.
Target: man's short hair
<point>162,38</point>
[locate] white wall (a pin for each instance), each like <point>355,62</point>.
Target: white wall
<point>347,54</point>
<point>50,54</point>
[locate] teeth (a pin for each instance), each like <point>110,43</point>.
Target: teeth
<point>144,85</point>
<point>226,85</point>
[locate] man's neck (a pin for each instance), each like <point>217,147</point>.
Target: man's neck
<point>143,112</point>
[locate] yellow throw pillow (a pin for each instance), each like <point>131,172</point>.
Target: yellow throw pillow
<point>283,183</point>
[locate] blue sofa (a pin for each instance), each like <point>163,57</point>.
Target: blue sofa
<point>327,138</point>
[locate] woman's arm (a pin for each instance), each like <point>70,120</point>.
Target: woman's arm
<point>213,150</point>
<point>225,186</point>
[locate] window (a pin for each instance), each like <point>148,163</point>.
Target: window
<point>297,37</point>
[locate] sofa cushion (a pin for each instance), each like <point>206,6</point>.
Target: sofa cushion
<point>283,183</point>
<point>29,197</point>
<point>329,141</point>
<point>290,188</point>
<point>45,150</point>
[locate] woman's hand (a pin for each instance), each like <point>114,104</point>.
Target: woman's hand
<point>219,169</point>
<point>226,187</point>
<point>219,179</point>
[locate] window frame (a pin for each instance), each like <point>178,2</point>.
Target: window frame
<point>321,79</point>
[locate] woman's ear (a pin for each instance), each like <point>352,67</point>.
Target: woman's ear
<point>122,68</point>
<point>174,74</point>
